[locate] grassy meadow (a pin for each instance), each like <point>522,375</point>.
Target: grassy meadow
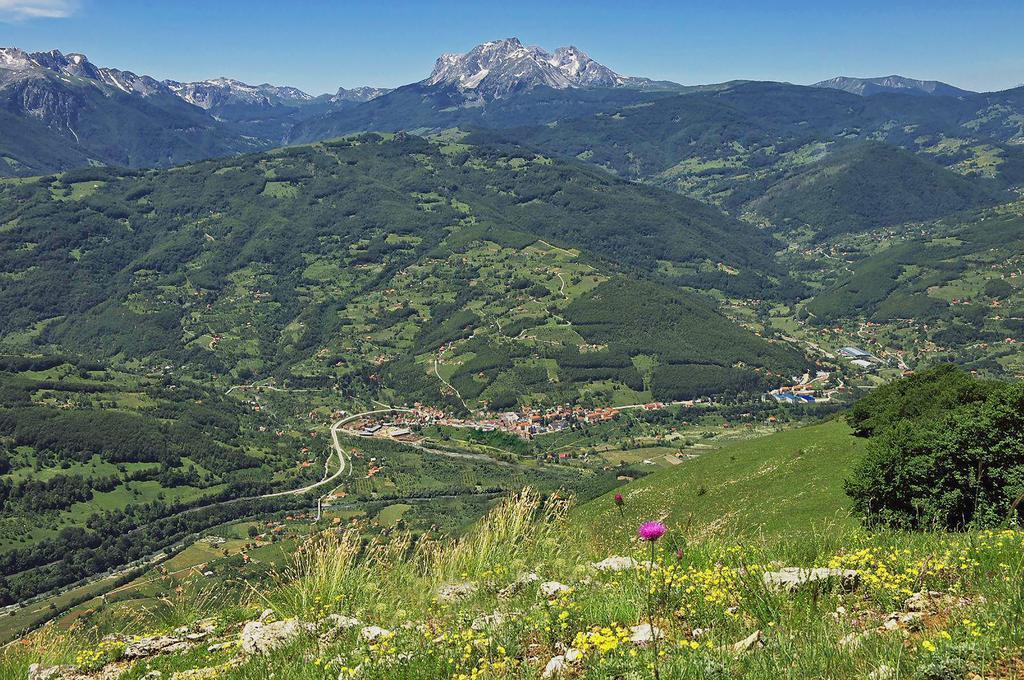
<point>521,593</point>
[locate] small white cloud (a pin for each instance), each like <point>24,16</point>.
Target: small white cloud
<point>22,10</point>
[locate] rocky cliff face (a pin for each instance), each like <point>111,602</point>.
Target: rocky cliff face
<point>501,68</point>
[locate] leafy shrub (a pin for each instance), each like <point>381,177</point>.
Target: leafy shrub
<point>945,453</point>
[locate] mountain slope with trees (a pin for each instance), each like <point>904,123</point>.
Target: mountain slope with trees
<point>864,186</point>
<point>279,264</point>
<point>732,144</point>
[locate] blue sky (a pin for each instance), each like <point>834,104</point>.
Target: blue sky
<point>318,45</point>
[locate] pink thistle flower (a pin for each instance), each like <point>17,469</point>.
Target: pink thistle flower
<point>618,499</point>
<point>651,531</point>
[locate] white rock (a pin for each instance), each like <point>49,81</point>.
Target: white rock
<point>220,646</point>
<point>150,646</point>
<point>573,655</point>
<point>923,601</point>
<point>615,563</point>
<point>37,672</point>
<point>518,585</point>
<point>748,643</point>
<point>260,638</point>
<point>373,633</point>
<point>641,635</point>
<point>341,621</point>
<point>789,579</point>
<point>488,621</point>
<point>554,667</point>
<point>898,620</point>
<point>453,592</point>
<point>266,615</point>
<point>552,588</point>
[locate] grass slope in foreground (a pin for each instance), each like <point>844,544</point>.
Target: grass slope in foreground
<point>927,606</point>
<point>784,483</point>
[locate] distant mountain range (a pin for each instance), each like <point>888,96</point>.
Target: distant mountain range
<point>206,94</point>
<point>60,111</point>
<point>893,85</point>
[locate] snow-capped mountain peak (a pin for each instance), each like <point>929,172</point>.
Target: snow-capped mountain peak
<point>74,65</point>
<point>358,94</point>
<point>583,70</point>
<point>13,58</point>
<point>216,92</point>
<point>501,67</point>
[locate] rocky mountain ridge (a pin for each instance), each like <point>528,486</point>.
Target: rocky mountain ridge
<point>500,68</point>
<point>893,84</point>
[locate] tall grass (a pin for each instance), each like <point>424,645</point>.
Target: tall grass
<point>339,571</point>
<point>520,533</point>
<point>710,594</point>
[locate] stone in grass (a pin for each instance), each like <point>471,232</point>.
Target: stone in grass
<point>37,672</point>
<point>553,588</point>
<point>925,601</point>
<point>790,579</point>
<point>453,592</point>
<point>518,586</point>
<point>335,624</point>
<point>748,643</point>
<point>112,672</point>
<point>903,620</point>
<point>261,638</point>
<point>642,634</point>
<point>486,621</point>
<point>555,666</point>
<point>151,646</point>
<point>373,633</point>
<point>615,563</point>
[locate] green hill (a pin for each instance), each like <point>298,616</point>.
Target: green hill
<point>418,107</point>
<point>868,185</point>
<point>782,484</point>
<point>420,263</point>
<point>956,272</point>
<point>730,145</point>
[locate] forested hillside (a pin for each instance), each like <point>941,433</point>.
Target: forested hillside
<point>964,273</point>
<point>339,263</point>
<point>418,107</point>
<point>864,186</point>
<point>731,145</point>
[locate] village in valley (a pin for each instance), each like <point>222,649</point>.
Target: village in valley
<point>526,423</point>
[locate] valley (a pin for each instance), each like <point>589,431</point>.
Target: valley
<point>478,375</point>
<point>526,353</point>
